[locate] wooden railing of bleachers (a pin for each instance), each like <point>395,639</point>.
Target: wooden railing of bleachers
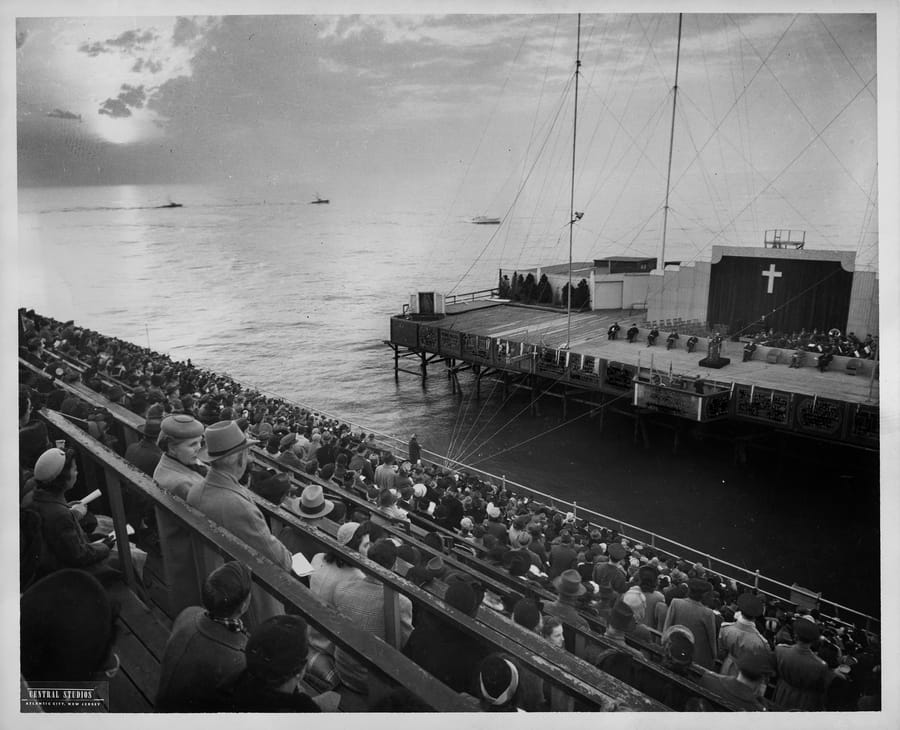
<point>581,682</point>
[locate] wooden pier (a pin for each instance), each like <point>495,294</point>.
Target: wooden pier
<point>526,347</point>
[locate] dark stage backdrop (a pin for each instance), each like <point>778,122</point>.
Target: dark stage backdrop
<point>790,293</point>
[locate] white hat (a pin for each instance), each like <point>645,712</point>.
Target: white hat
<point>49,465</point>
<point>346,531</point>
<point>419,490</point>
<point>493,510</point>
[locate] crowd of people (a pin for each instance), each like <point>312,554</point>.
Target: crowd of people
<point>233,646</point>
<point>831,342</point>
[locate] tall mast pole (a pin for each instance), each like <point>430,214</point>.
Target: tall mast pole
<point>662,249</point>
<point>572,190</point>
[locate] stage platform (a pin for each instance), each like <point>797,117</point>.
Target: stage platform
<point>515,339</point>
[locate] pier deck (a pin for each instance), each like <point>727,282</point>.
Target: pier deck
<point>588,337</point>
<point>527,345</point>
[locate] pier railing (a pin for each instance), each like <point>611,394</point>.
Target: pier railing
<point>471,296</point>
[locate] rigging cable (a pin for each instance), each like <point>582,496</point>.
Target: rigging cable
<point>518,194</point>
<point>788,165</point>
<point>806,118</point>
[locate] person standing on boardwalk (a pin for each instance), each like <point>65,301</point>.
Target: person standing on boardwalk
<point>414,450</point>
<point>700,619</point>
<point>613,332</point>
<point>224,500</point>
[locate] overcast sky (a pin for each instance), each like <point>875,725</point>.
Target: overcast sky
<point>776,122</point>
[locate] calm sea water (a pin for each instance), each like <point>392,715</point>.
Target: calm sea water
<point>296,299</point>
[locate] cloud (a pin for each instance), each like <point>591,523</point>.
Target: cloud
<point>185,30</point>
<point>127,41</point>
<point>132,39</point>
<point>133,96</point>
<point>93,49</point>
<point>62,114</point>
<point>148,65</point>
<point>130,97</point>
<point>114,108</point>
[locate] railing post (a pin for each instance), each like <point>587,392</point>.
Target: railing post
<point>123,546</point>
<point>392,629</point>
<point>756,580</point>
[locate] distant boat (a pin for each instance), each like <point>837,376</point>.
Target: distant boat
<point>485,221</point>
<point>171,205</point>
<point>319,201</point>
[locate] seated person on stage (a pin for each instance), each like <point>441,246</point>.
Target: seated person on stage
<point>691,343</point>
<point>796,359</point>
<point>651,337</point>
<point>671,339</point>
<point>613,332</point>
<point>825,359</point>
<point>632,333</point>
<point>749,349</point>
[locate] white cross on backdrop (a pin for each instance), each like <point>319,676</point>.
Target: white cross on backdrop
<point>772,274</point>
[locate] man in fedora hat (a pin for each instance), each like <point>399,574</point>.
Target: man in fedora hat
<point>223,499</point>
<point>569,586</point>
<point>312,507</point>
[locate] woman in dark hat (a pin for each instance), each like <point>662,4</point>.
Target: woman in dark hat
<point>71,644</point>
<point>180,439</point>
<point>276,655</point>
<point>444,650</point>
<point>498,683</point>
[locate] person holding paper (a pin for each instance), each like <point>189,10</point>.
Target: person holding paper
<point>65,544</point>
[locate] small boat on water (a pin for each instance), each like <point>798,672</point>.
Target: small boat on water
<point>171,205</point>
<point>319,201</point>
<point>485,220</point>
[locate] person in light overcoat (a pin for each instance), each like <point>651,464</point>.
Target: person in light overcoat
<point>224,500</point>
<point>177,471</point>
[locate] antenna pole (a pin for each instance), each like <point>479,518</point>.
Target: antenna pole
<point>572,190</point>
<point>662,249</point>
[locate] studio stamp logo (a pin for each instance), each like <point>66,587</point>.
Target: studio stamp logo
<point>65,697</point>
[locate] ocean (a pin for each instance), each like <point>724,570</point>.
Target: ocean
<point>295,299</point>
